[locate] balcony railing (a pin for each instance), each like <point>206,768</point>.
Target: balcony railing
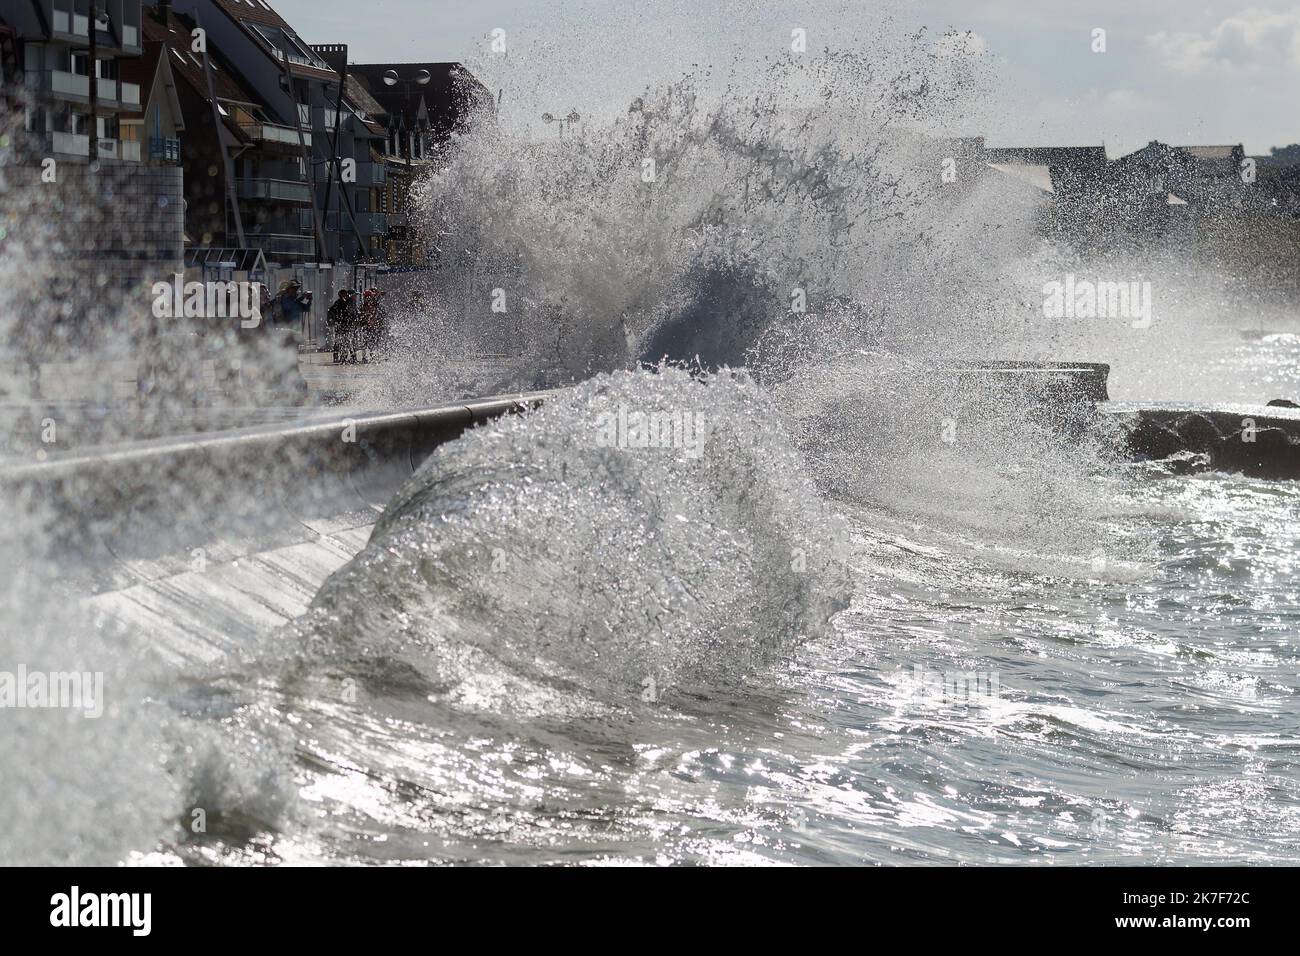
<point>69,144</point>
<point>60,82</point>
<point>274,190</point>
<point>285,245</point>
<point>163,150</point>
<point>368,223</point>
<point>130,150</point>
<point>130,93</point>
<point>63,83</point>
<point>273,133</point>
<point>108,149</point>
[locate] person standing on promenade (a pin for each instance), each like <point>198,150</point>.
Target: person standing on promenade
<point>351,330</point>
<point>337,318</point>
<point>372,321</point>
<point>292,305</point>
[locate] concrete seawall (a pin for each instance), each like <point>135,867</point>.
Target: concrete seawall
<point>209,539</point>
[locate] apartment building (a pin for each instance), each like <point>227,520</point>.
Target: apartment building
<point>115,222</point>
<point>421,105</point>
<point>304,117</point>
<point>68,48</point>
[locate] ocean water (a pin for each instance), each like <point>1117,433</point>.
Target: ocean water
<point>842,608</point>
<point>582,653</point>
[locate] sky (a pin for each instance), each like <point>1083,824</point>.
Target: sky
<point>1180,71</point>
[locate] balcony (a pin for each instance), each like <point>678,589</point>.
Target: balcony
<point>368,223</point>
<point>125,150</point>
<point>273,133</point>
<point>162,150</point>
<point>68,144</point>
<point>130,93</point>
<point>107,90</point>
<point>60,83</point>
<point>74,86</point>
<point>274,190</point>
<point>284,245</point>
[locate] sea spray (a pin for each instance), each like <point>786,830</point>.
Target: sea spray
<point>536,542</point>
<point>702,211</point>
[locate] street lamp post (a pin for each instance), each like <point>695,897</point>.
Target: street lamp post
<point>572,118</point>
<point>421,79</point>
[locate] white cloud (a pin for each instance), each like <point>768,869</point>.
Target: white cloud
<point>1126,101</point>
<point>1254,39</point>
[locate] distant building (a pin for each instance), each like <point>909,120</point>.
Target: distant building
<point>265,189</point>
<point>419,120</point>
<point>1056,180</point>
<point>1278,176</point>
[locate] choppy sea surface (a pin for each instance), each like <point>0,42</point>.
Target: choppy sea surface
<point>558,651</point>
<point>843,609</point>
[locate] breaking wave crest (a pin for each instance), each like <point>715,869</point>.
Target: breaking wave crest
<point>639,531</point>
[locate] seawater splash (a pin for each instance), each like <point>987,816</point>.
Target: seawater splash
<point>697,215</point>
<point>746,189</point>
<point>641,530</point>
<point>83,785</point>
<point>571,639</point>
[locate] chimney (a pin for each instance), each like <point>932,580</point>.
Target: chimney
<point>162,11</point>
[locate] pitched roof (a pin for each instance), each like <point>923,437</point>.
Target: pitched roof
<point>141,71</point>
<point>256,10</point>
<point>451,94</point>
<point>174,36</point>
<point>259,19</point>
<point>360,97</point>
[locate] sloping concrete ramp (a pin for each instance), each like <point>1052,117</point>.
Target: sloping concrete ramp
<point>205,541</point>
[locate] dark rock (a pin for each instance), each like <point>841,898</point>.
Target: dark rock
<point>1197,432</point>
<point>1283,403</point>
<point>1149,440</point>
<point>1271,455</point>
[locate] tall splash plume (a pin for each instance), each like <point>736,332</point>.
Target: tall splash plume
<point>704,212</point>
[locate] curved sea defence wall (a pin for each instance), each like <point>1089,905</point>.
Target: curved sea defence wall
<point>209,538</point>
<point>206,539</point>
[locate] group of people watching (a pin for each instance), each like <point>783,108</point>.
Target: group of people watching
<point>356,329</point>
